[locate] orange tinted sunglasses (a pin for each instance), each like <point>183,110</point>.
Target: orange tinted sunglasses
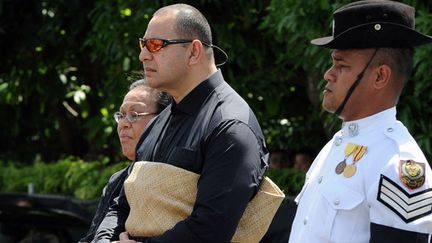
<point>154,44</point>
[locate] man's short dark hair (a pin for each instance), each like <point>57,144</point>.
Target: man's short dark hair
<point>400,60</point>
<point>161,99</point>
<point>190,23</point>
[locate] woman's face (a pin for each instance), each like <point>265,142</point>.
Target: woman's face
<point>137,100</point>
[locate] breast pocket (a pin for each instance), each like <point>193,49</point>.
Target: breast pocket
<point>342,215</point>
<point>186,158</point>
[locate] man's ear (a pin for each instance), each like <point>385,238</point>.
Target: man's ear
<point>196,52</point>
<point>383,74</point>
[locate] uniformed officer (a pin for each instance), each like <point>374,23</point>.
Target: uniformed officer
<point>371,182</point>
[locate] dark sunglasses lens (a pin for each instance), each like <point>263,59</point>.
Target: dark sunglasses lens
<point>154,45</point>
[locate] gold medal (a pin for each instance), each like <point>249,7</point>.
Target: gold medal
<point>349,170</point>
<point>349,149</point>
<point>340,167</point>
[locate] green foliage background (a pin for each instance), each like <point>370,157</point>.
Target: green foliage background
<point>85,179</point>
<point>65,66</point>
<point>70,177</point>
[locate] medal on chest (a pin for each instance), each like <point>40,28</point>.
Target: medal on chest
<point>351,149</point>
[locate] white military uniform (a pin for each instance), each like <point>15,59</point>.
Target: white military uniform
<point>336,208</point>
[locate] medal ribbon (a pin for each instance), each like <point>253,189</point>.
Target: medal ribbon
<point>360,151</point>
<point>351,169</point>
<point>350,148</point>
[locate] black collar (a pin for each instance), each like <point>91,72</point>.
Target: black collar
<point>193,101</point>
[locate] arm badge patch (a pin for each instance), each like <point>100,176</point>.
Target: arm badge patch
<point>412,174</point>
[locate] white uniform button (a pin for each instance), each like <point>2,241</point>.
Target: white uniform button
<point>390,129</point>
<point>338,141</point>
<point>320,179</point>
<point>377,27</point>
<point>305,221</point>
<point>336,202</point>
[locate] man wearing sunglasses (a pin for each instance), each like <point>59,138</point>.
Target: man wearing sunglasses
<point>208,129</point>
<point>371,182</point>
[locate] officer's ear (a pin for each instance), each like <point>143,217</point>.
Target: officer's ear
<point>382,75</point>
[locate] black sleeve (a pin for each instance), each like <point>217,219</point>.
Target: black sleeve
<point>384,234</point>
<point>109,192</point>
<point>113,223</point>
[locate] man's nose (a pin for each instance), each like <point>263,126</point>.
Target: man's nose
<point>329,75</point>
<point>144,54</point>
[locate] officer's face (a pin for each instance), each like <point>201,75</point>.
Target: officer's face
<point>347,64</point>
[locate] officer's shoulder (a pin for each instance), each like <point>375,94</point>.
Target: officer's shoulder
<point>403,140</point>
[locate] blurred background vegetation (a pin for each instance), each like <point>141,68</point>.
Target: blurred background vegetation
<point>66,65</point>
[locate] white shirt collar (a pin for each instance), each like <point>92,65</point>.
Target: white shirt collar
<point>353,128</point>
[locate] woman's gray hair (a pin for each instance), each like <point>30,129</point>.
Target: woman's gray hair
<point>160,98</point>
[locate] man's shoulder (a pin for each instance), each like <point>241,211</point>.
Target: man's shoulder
<point>405,183</point>
<point>231,105</point>
<point>404,141</point>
